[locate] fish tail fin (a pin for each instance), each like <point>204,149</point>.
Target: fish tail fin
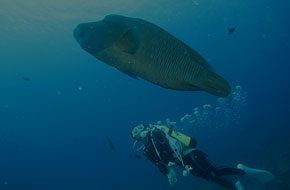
<point>216,85</point>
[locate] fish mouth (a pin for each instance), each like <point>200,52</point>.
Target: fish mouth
<point>94,37</point>
<point>77,33</point>
<point>80,35</point>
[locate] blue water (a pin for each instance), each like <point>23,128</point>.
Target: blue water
<point>54,127</point>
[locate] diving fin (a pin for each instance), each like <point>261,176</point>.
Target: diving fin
<point>262,175</point>
<point>129,42</point>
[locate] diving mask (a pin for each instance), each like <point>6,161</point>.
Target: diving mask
<point>139,132</point>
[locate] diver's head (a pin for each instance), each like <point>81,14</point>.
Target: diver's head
<point>139,132</point>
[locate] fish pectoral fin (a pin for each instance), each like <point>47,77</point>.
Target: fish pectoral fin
<point>129,42</point>
<point>129,73</point>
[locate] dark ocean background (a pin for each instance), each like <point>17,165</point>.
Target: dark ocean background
<point>59,105</point>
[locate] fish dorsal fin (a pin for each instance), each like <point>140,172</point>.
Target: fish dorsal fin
<point>129,42</point>
<point>196,57</point>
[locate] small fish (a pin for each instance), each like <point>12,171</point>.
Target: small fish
<point>112,146</point>
<point>231,30</point>
<point>26,79</point>
<point>137,156</point>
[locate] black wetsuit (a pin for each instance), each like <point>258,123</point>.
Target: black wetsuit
<point>201,167</point>
<point>162,146</point>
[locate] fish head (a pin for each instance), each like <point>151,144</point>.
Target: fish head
<point>94,37</point>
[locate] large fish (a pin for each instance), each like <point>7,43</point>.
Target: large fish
<point>141,49</point>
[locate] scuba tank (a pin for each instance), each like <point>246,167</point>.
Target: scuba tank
<point>184,139</point>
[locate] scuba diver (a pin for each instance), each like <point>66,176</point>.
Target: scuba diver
<point>166,148</point>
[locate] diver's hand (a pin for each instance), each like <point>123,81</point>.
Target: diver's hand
<point>171,176</point>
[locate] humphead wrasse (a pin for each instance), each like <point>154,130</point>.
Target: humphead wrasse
<point>141,49</point>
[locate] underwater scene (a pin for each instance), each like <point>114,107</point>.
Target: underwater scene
<point>139,95</point>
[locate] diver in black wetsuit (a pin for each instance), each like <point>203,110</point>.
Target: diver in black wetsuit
<point>166,148</point>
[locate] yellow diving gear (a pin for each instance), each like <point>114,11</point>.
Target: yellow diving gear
<point>186,140</point>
